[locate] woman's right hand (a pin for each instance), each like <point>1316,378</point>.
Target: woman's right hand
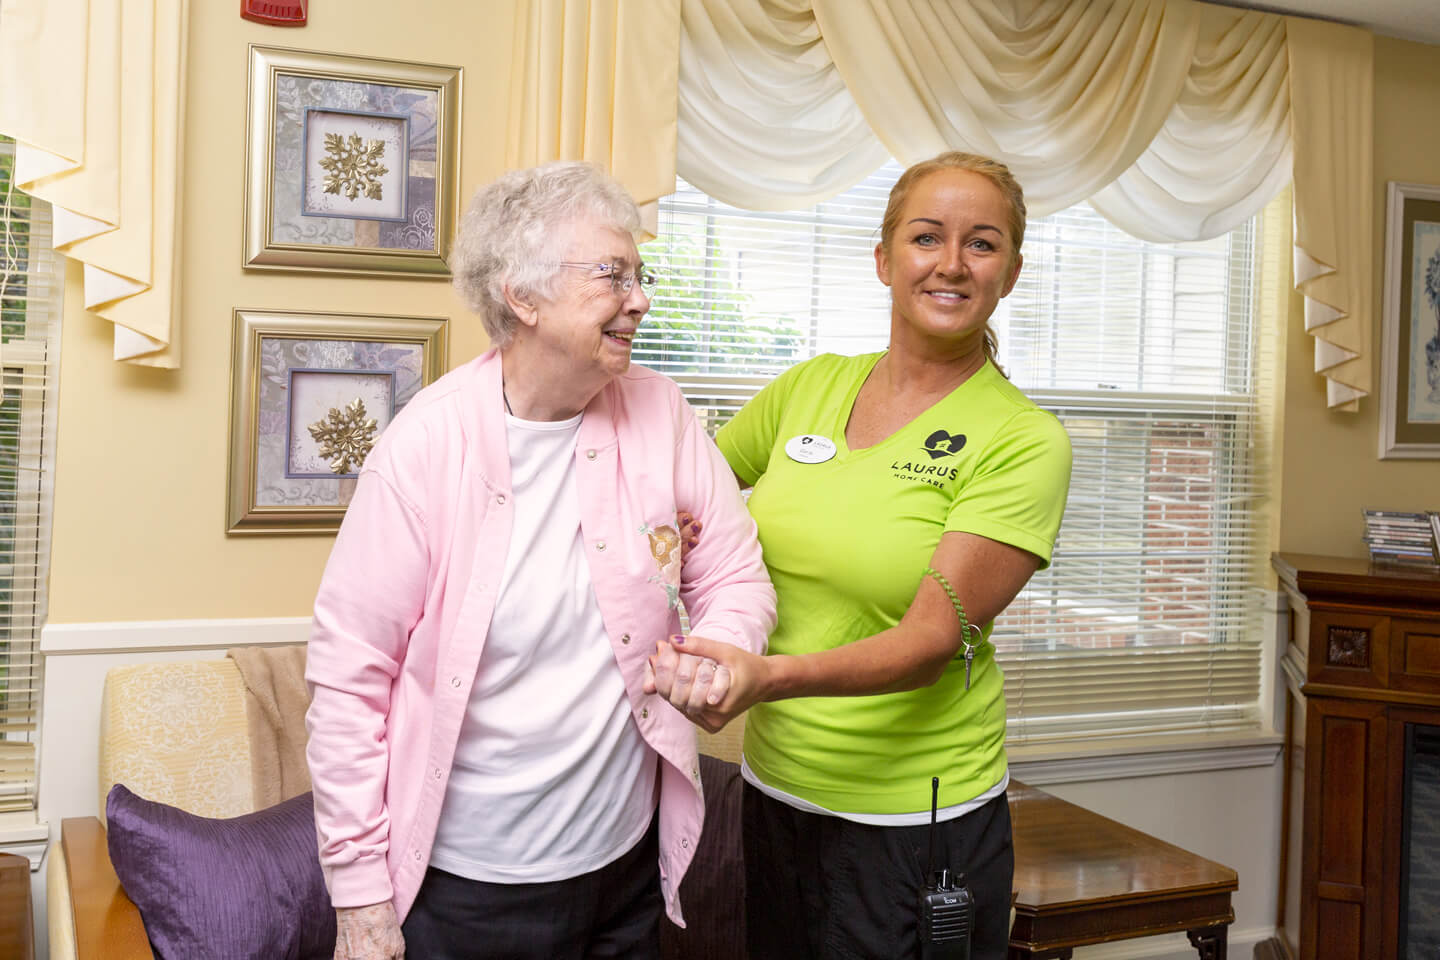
<point>368,933</point>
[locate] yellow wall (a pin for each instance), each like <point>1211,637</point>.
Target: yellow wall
<point>141,459</point>
<point>1331,470</point>
<point>141,462</point>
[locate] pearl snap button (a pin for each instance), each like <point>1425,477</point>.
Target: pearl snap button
<point>600,545</point>
<point>589,454</point>
<point>625,639</point>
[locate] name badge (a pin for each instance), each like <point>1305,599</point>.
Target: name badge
<point>810,448</point>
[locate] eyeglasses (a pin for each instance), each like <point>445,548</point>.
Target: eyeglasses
<point>620,281</point>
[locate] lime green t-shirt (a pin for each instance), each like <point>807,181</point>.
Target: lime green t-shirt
<point>847,541</point>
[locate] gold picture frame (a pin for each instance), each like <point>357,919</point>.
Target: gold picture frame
<point>1410,337</point>
<point>309,395</point>
<point>352,164</point>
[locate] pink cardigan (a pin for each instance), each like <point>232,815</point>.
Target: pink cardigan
<point>407,596</point>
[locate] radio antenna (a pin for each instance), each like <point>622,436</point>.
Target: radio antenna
<point>934,806</point>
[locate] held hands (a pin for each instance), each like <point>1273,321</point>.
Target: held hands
<point>710,682</point>
<point>368,933</point>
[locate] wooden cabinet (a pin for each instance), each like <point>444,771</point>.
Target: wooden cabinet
<point>17,932</point>
<point>1361,667</point>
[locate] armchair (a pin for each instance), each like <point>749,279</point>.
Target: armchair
<point>177,733</point>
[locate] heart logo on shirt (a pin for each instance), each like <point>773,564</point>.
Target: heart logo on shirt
<point>942,444</point>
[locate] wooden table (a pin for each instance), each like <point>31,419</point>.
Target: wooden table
<point>1081,878</point>
<point>17,932</point>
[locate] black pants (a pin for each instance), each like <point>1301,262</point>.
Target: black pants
<point>821,887</point>
<point>610,912</point>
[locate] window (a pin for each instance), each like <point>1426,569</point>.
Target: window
<point>1148,619</point>
<point>29,326</point>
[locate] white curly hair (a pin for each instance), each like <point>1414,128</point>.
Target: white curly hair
<point>511,237</point>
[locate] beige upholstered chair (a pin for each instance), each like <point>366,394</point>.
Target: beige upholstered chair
<point>172,732</point>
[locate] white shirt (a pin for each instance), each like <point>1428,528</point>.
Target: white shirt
<point>551,778</point>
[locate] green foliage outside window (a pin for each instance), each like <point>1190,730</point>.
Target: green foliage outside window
<point>703,321</point>
<point>16,255</point>
<point>14,263</point>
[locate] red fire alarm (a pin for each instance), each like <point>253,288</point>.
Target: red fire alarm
<point>277,13</point>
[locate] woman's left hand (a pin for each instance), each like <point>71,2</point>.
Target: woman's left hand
<point>710,682</point>
<point>689,532</point>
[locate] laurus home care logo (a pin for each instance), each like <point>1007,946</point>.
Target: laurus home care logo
<point>941,444</point>
<point>939,447</point>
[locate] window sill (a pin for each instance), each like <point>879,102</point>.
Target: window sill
<point>1142,757</point>
<point>22,835</point>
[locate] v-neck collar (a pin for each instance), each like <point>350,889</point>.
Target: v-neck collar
<point>847,410</point>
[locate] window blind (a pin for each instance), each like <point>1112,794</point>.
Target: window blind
<point>1148,619</point>
<point>29,343</point>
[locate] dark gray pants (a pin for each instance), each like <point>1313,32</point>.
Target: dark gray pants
<point>610,912</point>
<point>825,888</point>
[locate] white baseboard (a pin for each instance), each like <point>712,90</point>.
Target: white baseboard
<point>144,636</point>
<point>1241,944</point>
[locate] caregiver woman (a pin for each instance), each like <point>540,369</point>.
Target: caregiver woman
<point>487,769</point>
<point>899,496</point>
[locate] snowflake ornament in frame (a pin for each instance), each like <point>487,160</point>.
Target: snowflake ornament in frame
<point>334,418</point>
<point>311,394</point>
<point>355,165</point>
<point>351,164</point>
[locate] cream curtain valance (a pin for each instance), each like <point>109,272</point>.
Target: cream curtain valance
<point>92,91</point>
<point>1332,75</point>
<point>757,84</point>
<point>596,80</point>
<point>1178,120</point>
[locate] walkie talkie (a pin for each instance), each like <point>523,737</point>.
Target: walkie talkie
<point>947,911</point>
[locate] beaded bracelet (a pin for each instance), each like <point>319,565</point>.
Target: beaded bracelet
<point>965,625</point>
<point>954,600</point>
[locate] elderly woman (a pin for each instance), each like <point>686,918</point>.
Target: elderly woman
<point>487,768</point>
<point>903,499</point>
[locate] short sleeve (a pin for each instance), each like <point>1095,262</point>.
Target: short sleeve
<point>749,437</point>
<point>1017,492</point>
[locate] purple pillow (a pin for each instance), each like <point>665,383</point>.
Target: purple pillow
<point>236,889</point>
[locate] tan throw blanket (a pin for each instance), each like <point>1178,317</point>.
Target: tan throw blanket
<point>276,699</point>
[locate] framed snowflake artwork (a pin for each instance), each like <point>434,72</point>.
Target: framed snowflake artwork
<point>1410,339</point>
<point>351,164</point>
<point>310,395</point>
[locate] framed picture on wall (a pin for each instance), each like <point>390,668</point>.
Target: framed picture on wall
<point>310,393</point>
<point>1410,344</point>
<point>351,164</point>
